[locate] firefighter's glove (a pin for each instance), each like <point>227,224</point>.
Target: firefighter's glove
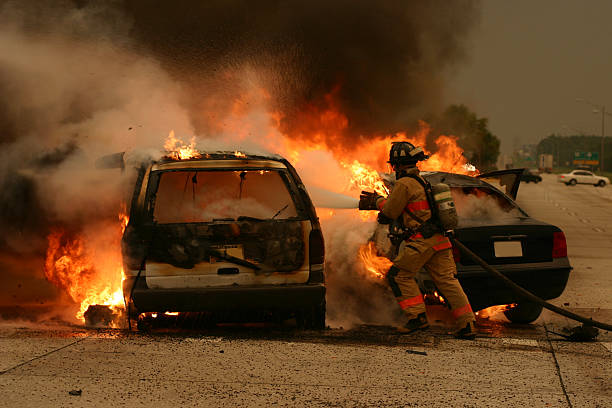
<point>367,200</point>
<point>383,219</point>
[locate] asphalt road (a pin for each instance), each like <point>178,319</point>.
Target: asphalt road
<point>368,366</point>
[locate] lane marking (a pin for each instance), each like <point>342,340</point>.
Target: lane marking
<point>521,342</point>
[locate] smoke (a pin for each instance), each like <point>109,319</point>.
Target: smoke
<point>72,89</point>
<point>328,199</point>
<point>477,206</point>
<point>80,79</point>
<point>355,67</point>
<point>354,296</point>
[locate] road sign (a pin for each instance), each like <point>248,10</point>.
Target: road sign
<point>591,158</point>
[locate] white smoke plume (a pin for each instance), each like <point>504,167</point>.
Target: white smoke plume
<point>70,93</point>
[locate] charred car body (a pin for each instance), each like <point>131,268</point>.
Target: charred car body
<point>224,233</point>
<point>532,253</point>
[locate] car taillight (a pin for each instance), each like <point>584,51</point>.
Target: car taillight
<point>316,256</point>
<point>456,254</point>
<point>559,245</point>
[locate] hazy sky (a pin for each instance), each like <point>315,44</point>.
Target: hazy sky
<point>531,59</point>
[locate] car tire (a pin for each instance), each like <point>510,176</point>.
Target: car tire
<point>601,183</point>
<point>144,324</point>
<point>572,182</point>
<point>311,317</point>
<point>524,313</point>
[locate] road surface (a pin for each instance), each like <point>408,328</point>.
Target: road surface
<point>367,366</point>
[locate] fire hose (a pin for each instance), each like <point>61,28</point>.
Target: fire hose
<point>525,293</point>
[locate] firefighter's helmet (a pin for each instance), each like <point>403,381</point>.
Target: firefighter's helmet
<point>403,153</point>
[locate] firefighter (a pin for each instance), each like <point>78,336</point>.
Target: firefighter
<point>424,245</point>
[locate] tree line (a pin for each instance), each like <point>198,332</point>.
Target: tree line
<point>563,148</point>
<point>480,145</point>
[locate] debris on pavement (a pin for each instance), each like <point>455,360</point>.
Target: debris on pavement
<point>75,392</point>
<point>579,333</point>
<point>102,316</point>
<point>421,353</point>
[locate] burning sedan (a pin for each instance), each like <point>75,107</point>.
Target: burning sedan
<point>530,252</point>
<point>223,231</point>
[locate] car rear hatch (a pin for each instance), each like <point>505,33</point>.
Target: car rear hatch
<point>227,253</point>
<point>220,223</point>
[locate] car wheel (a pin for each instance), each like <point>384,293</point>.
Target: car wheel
<point>601,183</point>
<point>144,323</point>
<point>311,317</point>
<point>524,313</point>
<point>572,182</point>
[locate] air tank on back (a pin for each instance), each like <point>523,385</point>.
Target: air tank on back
<point>447,213</point>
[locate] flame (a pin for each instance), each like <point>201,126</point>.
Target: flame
<point>365,178</point>
<point>376,265</point>
<point>89,274</point>
<point>73,260</point>
<point>493,310</point>
<point>178,150</point>
<point>435,297</point>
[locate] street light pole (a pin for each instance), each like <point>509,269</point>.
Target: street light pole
<point>602,109</point>
<point>603,137</point>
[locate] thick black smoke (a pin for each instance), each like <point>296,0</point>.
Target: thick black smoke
<point>83,78</point>
<point>387,59</point>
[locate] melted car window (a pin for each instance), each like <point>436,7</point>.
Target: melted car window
<point>204,196</point>
<point>482,204</point>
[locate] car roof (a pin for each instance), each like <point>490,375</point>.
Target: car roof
<point>453,179</point>
<point>217,160</point>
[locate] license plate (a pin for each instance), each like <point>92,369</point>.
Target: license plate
<point>508,249</point>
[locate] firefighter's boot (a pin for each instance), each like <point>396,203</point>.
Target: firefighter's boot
<point>418,323</point>
<point>467,332</point>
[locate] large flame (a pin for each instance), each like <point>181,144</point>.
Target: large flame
<point>89,274</point>
<point>73,260</point>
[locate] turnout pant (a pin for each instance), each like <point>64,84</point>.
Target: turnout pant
<point>435,255</point>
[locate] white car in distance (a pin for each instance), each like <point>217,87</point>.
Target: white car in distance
<point>582,177</point>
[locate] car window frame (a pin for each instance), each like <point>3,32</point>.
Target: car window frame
<point>495,190</point>
<point>469,181</point>
<point>155,177</point>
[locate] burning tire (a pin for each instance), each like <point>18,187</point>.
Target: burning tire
<point>524,313</point>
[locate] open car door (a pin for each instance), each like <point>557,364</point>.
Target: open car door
<point>506,180</point>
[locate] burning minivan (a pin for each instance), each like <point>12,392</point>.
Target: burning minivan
<point>224,232</point>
